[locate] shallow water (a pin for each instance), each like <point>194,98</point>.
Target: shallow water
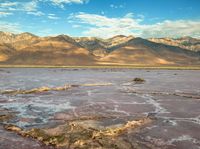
<point>171,97</point>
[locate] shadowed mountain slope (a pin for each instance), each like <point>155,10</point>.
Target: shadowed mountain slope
<point>189,43</point>
<point>28,49</point>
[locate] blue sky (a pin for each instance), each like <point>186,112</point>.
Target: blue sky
<point>102,18</point>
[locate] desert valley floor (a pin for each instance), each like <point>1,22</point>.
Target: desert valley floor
<point>99,108</point>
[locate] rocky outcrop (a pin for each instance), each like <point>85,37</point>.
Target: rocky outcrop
<point>83,134</point>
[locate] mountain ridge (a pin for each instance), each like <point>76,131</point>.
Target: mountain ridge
<point>186,42</point>
<point>27,48</point>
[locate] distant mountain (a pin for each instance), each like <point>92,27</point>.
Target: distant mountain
<point>189,43</point>
<point>28,49</point>
<point>101,47</point>
<point>33,50</point>
<point>142,51</point>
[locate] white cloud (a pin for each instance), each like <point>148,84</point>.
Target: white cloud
<point>129,15</point>
<point>116,6</point>
<point>36,13</point>
<point>102,26</point>
<point>4,14</point>
<point>30,7</point>
<point>105,27</point>
<point>52,16</point>
<point>61,3</point>
<point>112,6</point>
<point>10,27</point>
<point>176,28</point>
<point>76,26</point>
<point>8,4</point>
<point>100,20</point>
<point>20,6</point>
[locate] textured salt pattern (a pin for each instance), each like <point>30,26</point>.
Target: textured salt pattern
<point>110,96</point>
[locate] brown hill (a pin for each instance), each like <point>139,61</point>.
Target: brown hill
<point>141,51</point>
<point>189,43</point>
<point>33,50</point>
<point>28,49</point>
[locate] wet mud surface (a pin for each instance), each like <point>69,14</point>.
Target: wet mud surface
<point>99,108</point>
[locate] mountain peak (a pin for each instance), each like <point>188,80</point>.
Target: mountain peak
<point>26,34</point>
<point>118,36</point>
<point>6,33</point>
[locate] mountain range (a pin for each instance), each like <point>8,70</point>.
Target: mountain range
<point>29,49</point>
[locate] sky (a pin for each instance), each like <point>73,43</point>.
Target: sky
<point>102,18</point>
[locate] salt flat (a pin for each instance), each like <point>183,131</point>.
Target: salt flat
<point>165,107</point>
